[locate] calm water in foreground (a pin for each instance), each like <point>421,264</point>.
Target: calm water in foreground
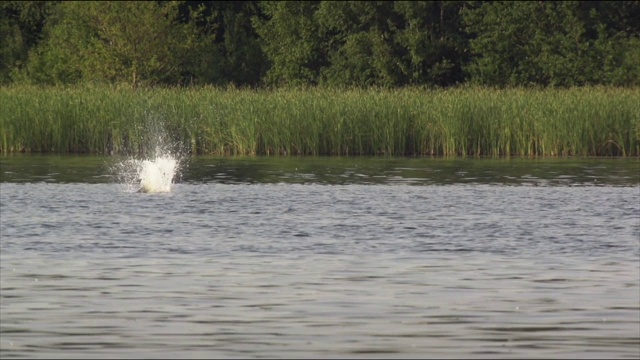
<point>322,258</point>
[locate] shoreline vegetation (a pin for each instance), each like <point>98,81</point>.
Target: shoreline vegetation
<point>454,122</point>
<point>321,78</point>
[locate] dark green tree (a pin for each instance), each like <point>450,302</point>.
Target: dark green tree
<point>567,43</point>
<point>233,53</point>
<point>336,43</point>
<point>435,46</point>
<point>244,61</point>
<point>392,43</point>
<point>505,42</point>
<point>135,42</point>
<point>21,24</point>
<point>359,43</point>
<point>290,41</point>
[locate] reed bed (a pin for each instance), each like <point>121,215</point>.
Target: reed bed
<point>590,121</point>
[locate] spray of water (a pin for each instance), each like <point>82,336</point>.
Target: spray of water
<point>154,170</point>
<point>156,175</point>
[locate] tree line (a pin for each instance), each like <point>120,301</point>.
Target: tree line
<point>325,43</point>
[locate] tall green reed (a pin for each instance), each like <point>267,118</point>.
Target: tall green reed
<point>590,121</point>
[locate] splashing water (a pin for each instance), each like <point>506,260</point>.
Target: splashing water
<point>159,166</point>
<point>152,175</point>
<point>157,175</point>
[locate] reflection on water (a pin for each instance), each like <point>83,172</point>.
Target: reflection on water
<point>322,257</point>
<point>332,170</point>
<point>423,171</point>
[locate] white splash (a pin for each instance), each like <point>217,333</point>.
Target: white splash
<point>156,175</point>
<point>152,175</point>
<point>157,163</point>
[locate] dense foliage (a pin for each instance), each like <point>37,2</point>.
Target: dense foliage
<point>332,43</point>
<point>463,121</point>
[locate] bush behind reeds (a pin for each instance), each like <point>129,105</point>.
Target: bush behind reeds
<point>589,121</point>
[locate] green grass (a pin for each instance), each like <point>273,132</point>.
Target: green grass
<point>590,121</point>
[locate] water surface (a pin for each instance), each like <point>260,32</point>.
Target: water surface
<point>322,257</point>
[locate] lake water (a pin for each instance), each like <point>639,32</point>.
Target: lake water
<point>321,258</point>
